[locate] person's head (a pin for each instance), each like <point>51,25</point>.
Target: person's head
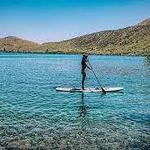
<point>85,56</point>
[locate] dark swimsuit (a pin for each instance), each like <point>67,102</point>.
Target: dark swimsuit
<point>83,63</point>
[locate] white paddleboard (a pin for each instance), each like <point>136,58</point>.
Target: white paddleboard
<point>107,89</point>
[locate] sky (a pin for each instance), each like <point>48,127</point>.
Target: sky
<point>56,20</point>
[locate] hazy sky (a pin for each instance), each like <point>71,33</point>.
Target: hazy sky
<point>55,20</point>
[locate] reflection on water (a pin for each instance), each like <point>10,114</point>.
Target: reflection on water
<point>83,108</point>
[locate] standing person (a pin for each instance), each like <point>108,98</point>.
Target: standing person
<point>84,65</point>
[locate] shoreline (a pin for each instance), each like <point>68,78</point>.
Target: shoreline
<point>21,52</point>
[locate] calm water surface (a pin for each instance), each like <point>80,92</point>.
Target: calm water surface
<point>33,115</point>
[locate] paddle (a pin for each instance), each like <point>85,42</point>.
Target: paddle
<point>96,78</point>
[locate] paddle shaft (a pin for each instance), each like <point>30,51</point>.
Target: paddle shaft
<point>96,78</point>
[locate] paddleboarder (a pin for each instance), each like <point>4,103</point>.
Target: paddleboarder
<point>84,65</point>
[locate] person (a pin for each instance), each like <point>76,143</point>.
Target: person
<point>84,65</point>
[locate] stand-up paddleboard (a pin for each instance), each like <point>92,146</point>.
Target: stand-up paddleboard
<point>107,89</point>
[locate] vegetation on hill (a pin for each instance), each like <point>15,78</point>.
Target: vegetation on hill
<point>134,40</point>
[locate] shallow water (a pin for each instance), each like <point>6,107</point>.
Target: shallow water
<point>33,115</point>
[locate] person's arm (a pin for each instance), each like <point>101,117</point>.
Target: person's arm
<point>88,66</point>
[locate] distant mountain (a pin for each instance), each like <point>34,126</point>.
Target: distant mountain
<point>133,40</point>
<point>12,43</point>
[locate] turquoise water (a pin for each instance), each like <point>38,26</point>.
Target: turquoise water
<point>33,115</point>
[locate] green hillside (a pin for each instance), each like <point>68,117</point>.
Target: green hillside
<point>131,40</point>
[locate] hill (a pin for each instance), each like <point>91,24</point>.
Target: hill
<point>133,40</point>
<point>15,44</point>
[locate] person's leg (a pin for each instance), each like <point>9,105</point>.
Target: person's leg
<point>83,79</point>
